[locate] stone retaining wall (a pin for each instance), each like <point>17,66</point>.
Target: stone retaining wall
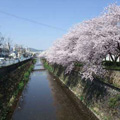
<point>102,100</point>
<point>11,84</point>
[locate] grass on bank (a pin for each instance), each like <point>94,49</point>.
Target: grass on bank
<point>48,66</point>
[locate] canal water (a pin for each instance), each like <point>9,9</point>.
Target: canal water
<point>44,99</point>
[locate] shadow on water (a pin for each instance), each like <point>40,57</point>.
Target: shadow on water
<point>44,99</point>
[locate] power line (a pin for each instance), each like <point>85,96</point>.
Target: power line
<point>32,21</point>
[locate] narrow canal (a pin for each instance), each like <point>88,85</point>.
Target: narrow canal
<point>44,99</point>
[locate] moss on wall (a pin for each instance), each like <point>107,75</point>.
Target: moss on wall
<point>103,101</point>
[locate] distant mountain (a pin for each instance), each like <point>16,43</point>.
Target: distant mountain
<point>35,50</point>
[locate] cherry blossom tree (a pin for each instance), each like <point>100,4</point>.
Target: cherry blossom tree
<point>89,43</point>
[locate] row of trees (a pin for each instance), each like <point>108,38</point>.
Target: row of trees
<point>89,43</point>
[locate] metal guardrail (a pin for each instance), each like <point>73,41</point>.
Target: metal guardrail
<point>11,67</point>
<point>13,61</point>
<point>108,85</point>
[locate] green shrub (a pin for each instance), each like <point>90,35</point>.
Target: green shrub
<point>26,75</point>
<point>81,98</point>
<point>21,85</point>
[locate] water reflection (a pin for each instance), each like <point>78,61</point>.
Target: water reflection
<point>65,109</point>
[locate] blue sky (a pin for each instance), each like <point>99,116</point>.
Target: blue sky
<point>60,13</point>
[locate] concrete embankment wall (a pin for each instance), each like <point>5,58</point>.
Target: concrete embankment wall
<point>11,84</point>
<point>7,69</point>
<point>102,100</point>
